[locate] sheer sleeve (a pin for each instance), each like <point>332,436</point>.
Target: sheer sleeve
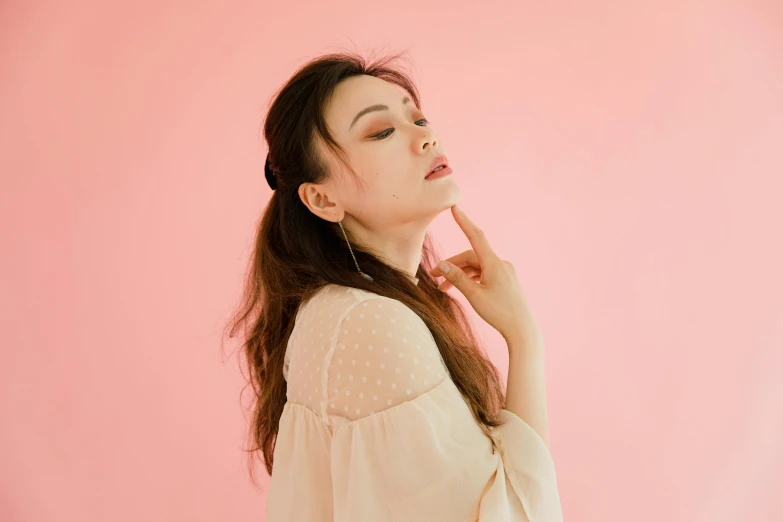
<point>375,429</point>
<point>405,445</point>
<point>384,355</point>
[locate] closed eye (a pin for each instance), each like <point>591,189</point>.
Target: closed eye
<point>384,135</point>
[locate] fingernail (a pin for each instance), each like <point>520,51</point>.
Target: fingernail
<point>444,267</point>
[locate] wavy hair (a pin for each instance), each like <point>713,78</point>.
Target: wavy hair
<point>296,253</point>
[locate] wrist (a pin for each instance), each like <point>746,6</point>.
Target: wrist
<point>524,343</point>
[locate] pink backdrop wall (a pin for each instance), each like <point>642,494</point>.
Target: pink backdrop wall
<point>626,156</point>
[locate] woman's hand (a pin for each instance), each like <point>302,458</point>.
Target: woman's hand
<point>489,284</point>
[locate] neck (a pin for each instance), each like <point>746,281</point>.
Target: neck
<point>399,247</point>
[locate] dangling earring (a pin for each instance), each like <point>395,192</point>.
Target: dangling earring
<point>367,277</point>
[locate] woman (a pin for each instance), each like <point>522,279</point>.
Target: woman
<point>373,400</point>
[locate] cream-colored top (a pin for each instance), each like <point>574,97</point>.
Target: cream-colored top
<point>375,430</point>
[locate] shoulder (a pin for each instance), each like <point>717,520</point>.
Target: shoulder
<point>346,313</point>
<point>353,353</point>
<point>335,306</point>
<point>382,355</point>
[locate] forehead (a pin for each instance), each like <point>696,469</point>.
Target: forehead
<point>357,92</point>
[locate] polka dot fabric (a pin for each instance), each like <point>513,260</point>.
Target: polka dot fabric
<point>375,429</point>
<point>363,353</point>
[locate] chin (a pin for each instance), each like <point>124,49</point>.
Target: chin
<point>451,193</point>
<point>445,196</point>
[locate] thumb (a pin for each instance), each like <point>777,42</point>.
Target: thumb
<point>458,278</point>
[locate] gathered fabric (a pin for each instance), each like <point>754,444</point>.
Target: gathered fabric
<point>375,429</point>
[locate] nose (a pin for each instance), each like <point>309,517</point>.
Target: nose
<point>427,138</point>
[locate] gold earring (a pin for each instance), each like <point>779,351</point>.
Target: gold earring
<point>367,277</point>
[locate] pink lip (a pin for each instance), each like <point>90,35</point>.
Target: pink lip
<point>440,160</point>
<point>445,171</point>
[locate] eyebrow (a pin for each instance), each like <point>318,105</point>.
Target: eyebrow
<point>373,108</point>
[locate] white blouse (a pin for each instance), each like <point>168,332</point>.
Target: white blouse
<point>374,429</point>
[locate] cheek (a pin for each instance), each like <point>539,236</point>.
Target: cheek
<point>399,186</point>
<point>387,181</point>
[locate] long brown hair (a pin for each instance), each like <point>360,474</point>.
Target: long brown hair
<point>296,253</point>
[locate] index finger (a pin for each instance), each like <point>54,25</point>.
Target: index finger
<point>476,236</point>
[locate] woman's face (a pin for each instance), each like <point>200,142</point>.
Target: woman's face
<point>390,149</point>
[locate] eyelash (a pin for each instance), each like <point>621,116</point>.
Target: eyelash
<point>380,136</point>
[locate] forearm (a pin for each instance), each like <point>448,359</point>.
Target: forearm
<point>526,390</point>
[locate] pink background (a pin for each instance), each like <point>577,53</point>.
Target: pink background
<point>625,156</point>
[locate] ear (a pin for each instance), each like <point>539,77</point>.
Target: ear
<point>316,198</point>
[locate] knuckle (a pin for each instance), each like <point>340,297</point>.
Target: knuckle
<point>459,279</point>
